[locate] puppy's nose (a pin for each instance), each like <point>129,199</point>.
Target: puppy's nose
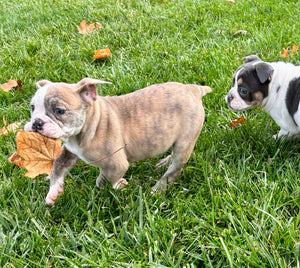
<point>229,97</point>
<point>37,124</point>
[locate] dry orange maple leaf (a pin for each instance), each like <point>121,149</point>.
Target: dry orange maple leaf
<point>9,85</point>
<point>294,49</point>
<point>36,153</point>
<point>84,28</point>
<point>4,121</point>
<point>238,122</point>
<point>285,53</point>
<point>9,128</point>
<point>101,53</point>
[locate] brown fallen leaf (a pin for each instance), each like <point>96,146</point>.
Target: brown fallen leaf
<point>4,121</point>
<point>9,85</point>
<point>36,153</point>
<point>285,53</point>
<point>101,53</point>
<point>238,122</point>
<point>20,86</point>
<point>294,49</point>
<point>9,128</point>
<point>84,28</point>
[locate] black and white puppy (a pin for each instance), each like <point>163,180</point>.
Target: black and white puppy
<point>273,86</point>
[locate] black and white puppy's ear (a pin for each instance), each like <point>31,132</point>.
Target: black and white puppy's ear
<point>87,89</point>
<point>42,83</point>
<point>264,72</point>
<point>251,58</point>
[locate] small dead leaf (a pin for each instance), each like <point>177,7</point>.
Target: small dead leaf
<point>230,1</point>
<point>9,85</point>
<point>294,49</point>
<point>84,28</point>
<point>285,53</point>
<point>4,121</point>
<point>98,26</point>
<point>9,128</point>
<point>237,122</point>
<point>12,84</point>
<point>36,153</point>
<point>20,86</point>
<point>239,32</point>
<point>101,53</point>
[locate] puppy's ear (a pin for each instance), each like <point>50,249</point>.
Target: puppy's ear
<point>251,58</point>
<point>42,83</point>
<point>87,88</point>
<point>264,72</point>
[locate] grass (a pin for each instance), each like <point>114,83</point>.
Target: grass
<point>237,203</point>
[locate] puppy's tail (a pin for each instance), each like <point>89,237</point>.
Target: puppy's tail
<point>203,89</point>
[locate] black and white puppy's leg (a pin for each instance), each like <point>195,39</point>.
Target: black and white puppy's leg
<point>284,134</point>
<point>62,165</point>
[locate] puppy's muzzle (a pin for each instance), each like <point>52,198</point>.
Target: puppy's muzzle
<point>37,124</point>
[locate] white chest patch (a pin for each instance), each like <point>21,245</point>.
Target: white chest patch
<point>74,148</point>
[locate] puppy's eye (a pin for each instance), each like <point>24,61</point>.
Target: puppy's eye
<point>32,108</point>
<point>243,91</point>
<point>59,111</point>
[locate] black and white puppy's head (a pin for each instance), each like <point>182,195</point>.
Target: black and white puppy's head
<point>250,84</point>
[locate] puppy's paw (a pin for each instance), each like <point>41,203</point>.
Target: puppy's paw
<point>55,191</point>
<point>159,187</point>
<point>50,200</point>
<point>120,184</point>
<point>100,183</point>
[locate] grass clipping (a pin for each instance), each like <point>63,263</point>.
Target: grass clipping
<point>36,153</point>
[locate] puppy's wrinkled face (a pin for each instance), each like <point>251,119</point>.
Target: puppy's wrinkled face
<point>250,85</point>
<point>56,111</point>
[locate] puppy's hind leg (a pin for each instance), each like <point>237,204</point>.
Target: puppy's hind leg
<point>181,154</point>
<point>173,171</point>
<point>164,162</point>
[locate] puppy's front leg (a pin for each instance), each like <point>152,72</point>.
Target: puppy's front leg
<point>283,134</point>
<point>63,164</point>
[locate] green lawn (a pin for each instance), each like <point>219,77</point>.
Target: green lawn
<point>237,202</point>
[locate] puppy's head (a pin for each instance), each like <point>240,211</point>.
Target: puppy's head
<point>250,84</point>
<point>58,110</point>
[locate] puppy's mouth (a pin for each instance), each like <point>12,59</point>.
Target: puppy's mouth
<point>229,105</point>
<point>45,129</point>
<point>238,109</point>
<point>231,108</point>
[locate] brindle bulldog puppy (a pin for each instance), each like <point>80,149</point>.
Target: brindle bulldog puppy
<point>148,121</point>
